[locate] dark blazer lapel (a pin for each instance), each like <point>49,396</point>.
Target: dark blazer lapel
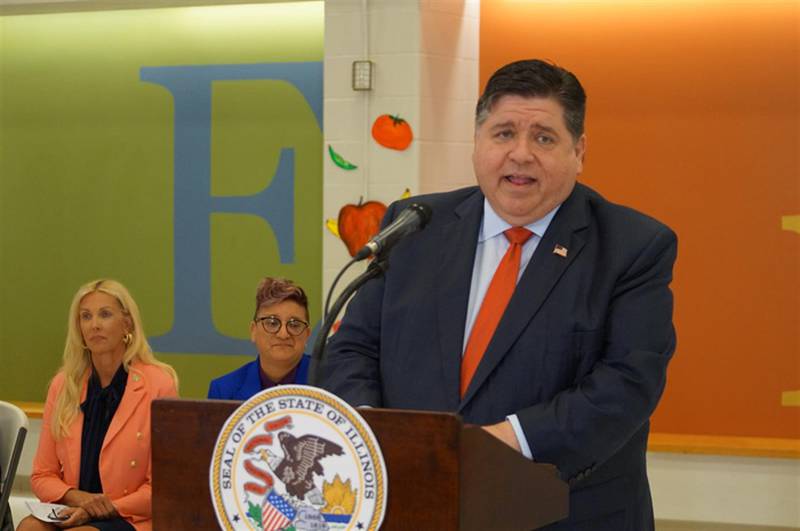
<point>459,239</point>
<point>539,278</point>
<point>134,393</point>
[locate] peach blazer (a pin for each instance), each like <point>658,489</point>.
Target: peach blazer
<point>125,455</point>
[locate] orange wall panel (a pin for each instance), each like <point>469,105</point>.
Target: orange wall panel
<point>694,117</point>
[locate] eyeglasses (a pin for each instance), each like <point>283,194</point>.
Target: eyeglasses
<point>272,325</point>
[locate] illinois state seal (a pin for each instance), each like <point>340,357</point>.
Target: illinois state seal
<point>297,458</point>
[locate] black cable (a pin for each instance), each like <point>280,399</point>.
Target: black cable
<point>333,285</point>
<point>375,269</point>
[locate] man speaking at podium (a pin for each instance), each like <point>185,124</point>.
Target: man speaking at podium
<point>529,304</point>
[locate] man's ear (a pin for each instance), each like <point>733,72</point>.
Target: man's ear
<point>253,331</point>
<point>580,151</point>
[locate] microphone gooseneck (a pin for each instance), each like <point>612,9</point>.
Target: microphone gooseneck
<point>412,219</point>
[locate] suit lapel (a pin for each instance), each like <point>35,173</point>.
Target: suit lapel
<point>537,281</point>
<point>134,393</point>
<point>459,238</point>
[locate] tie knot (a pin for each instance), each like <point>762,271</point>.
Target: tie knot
<point>517,235</point>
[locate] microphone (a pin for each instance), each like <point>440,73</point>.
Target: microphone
<point>411,219</point>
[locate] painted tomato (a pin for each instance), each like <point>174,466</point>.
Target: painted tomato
<point>358,223</point>
<point>392,132</point>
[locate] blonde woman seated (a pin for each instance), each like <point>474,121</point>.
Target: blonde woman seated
<point>94,447</point>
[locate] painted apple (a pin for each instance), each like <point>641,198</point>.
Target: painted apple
<point>392,132</point>
<point>358,223</point>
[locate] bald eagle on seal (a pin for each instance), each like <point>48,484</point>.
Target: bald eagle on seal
<point>301,460</point>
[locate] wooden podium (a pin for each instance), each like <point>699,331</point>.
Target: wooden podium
<point>442,475</point>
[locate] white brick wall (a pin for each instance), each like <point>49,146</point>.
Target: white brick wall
<point>425,54</point>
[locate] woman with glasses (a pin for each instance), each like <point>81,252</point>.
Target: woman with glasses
<point>280,331</point>
<point>94,446</point>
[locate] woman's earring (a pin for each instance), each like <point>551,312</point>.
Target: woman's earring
<point>127,338</point>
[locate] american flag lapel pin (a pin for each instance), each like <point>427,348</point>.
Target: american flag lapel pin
<point>560,250</point>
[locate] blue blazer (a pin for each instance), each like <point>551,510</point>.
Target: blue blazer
<point>580,355</point>
<point>245,381</point>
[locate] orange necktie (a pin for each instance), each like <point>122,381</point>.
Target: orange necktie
<point>494,304</point>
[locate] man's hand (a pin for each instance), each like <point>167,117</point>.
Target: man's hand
<point>504,432</point>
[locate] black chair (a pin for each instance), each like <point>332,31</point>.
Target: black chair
<point>13,429</point>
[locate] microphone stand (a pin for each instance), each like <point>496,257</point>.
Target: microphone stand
<point>375,269</point>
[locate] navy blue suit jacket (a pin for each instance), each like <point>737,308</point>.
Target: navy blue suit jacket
<point>580,354</point>
<point>245,381</point>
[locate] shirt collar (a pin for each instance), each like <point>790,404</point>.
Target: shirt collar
<point>493,225</point>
